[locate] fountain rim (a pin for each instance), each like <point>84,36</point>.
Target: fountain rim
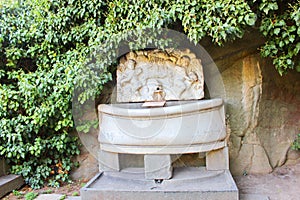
<point>177,108</point>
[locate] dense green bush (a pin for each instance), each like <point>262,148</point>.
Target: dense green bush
<point>42,45</point>
<point>45,45</point>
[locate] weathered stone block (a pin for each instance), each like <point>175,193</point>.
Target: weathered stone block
<point>217,159</point>
<point>108,161</point>
<point>158,166</point>
<point>9,183</point>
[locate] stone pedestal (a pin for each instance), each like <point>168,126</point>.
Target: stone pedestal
<point>158,167</point>
<point>217,159</point>
<point>186,183</point>
<point>108,161</point>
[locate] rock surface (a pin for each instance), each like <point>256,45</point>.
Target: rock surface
<point>88,167</point>
<point>262,107</point>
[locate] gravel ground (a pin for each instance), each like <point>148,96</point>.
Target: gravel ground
<point>282,184</point>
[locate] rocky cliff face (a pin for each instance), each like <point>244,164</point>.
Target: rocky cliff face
<point>262,107</point>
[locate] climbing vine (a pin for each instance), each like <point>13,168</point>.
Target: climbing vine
<point>280,24</point>
<point>47,48</point>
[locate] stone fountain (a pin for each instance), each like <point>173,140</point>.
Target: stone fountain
<point>160,113</point>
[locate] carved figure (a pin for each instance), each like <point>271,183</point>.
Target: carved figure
<point>179,73</point>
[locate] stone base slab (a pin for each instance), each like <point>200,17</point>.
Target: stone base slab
<point>187,183</point>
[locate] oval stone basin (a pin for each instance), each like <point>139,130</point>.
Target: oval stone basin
<point>178,127</point>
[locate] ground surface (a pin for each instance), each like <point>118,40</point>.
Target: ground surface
<point>68,190</point>
<point>282,184</point>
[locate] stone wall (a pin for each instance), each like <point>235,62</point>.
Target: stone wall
<point>280,114</point>
<point>262,110</point>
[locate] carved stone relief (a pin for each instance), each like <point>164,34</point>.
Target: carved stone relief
<point>159,75</point>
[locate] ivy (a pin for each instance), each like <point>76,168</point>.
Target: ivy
<point>41,50</point>
<point>282,30</point>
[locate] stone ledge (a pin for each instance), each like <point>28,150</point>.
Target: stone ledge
<point>9,183</point>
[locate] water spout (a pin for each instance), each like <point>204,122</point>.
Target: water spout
<point>158,94</point>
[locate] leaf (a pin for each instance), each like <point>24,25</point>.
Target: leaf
<point>250,19</point>
<point>276,31</point>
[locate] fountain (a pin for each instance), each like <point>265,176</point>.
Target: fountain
<point>160,112</point>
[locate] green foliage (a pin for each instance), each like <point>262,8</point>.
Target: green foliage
<point>280,24</point>
<point>87,125</point>
<point>31,195</point>
<point>49,191</point>
<point>37,75</point>
<point>17,194</point>
<point>49,47</point>
<point>221,20</point>
<point>75,194</point>
<point>296,143</point>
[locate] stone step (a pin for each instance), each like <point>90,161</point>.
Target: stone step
<point>9,183</point>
